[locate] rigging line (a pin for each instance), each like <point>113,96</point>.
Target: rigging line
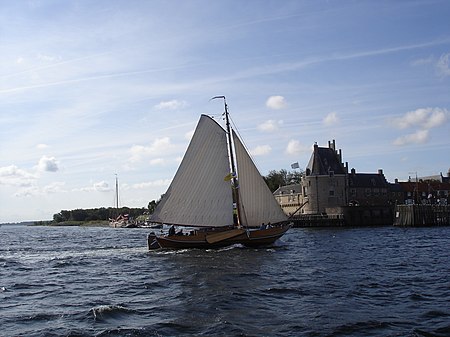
<point>245,145</point>
<point>216,115</point>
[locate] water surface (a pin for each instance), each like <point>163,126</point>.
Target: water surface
<point>73,281</point>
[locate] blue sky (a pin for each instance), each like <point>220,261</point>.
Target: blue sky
<point>90,89</point>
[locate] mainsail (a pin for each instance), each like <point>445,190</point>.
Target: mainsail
<point>198,195</point>
<point>257,203</point>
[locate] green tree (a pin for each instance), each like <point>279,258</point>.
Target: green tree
<point>276,179</point>
<point>151,206</point>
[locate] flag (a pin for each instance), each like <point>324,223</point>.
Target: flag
<point>295,165</point>
<point>229,176</point>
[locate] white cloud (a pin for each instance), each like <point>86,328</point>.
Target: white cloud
<point>276,102</point>
<point>331,119</point>
<point>437,118</point>
<point>171,105</point>
<point>27,192</point>
<point>101,186</point>
<point>261,150</point>
<point>47,164</point>
<point>41,146</point>
<point>270,125</point>
<point>156,183</point>
<point>443,65</point>
<point>157,161</point>
<point>159,145</point>
<point>425,118</point>
<point>48,58</point>
<point>55,187</point>
<point>14,176</point>
<point>410,118</point>
<point>295,148</point>
<point>419,137</point>
<point>422,61</point>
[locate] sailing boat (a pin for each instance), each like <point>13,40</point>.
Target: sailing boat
<point>223,206</point>
<point>121,220</point>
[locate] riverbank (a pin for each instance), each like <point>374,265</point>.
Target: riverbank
<point>94,223</point>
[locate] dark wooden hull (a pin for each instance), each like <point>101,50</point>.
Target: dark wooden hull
<point>207,239</point>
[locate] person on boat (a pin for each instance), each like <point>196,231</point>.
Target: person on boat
<point>235,216</point>
<point>172,230</point>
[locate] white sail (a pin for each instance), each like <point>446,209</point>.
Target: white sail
<point>199,195</point>
<point>258,204</point>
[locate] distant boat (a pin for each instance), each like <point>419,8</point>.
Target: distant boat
<point>216,204</point>
<point>122,220</point>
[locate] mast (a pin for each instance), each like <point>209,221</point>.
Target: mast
<point>117,193</point>
<point>236,201</point>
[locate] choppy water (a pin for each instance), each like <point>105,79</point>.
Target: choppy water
<point>315,282</point>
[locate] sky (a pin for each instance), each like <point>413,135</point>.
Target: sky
<point>94,89</point>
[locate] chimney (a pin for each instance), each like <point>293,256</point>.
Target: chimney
<point>380,172</point>
<point>340,156</point>
<point>396,180</point>
<point>334,145</point>
<point>353,171</point>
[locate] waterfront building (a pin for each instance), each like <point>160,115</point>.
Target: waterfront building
<point>327,191</point>
<point>289,197</point>
<point>329,194</point>
<point>368,189</point>
<point>430,192</point>
<point>325,181</point>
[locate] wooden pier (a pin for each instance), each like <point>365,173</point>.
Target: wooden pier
<point>422,215</point>
<point>348,216</point>
<point>318,220</point>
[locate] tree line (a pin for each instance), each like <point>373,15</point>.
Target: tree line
<point>95,214</point>
<point>274,180</point>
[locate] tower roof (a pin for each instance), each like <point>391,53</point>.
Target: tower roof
<point>325,160</point>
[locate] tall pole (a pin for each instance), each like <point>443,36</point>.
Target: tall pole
<point>117,192</point>
<point>233,166</point>
<point>417,189</point>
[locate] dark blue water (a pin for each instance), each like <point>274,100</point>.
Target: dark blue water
<point>315,282</point>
